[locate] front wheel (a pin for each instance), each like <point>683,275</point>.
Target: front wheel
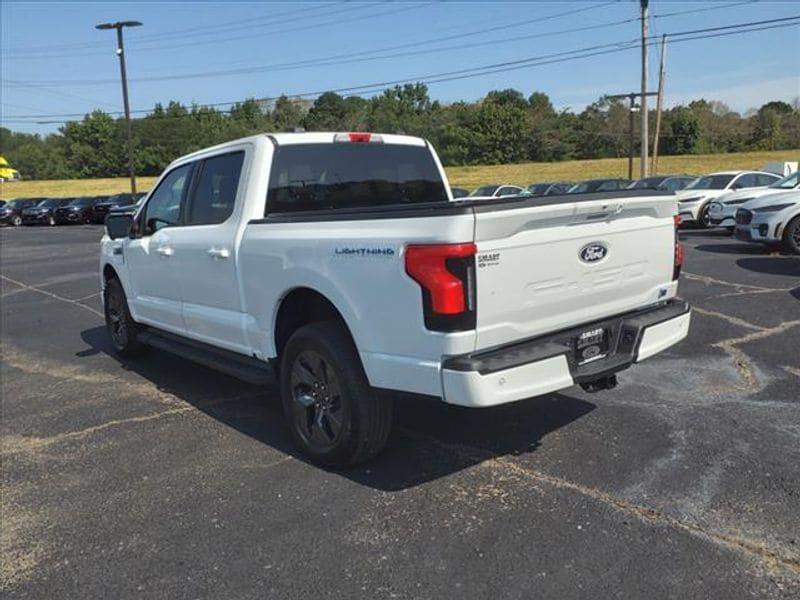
<point>334,415</point>
<point>704,219</point>
<point>122,329</point>
<point>16,221</point>
<point>51,220</point>
<point>791,236</point>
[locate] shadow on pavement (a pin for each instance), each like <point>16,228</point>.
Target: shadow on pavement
<point>431,439</point>
<point>772,265</point>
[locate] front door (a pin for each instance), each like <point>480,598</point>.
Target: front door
<point>155,296</point>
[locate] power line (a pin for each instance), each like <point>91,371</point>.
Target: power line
<point>149,46</point>
<point>187,31</point>
<point>356,57</point>
<point>369,55</point>
<point>598,50</point>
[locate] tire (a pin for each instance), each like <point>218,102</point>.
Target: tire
<point>703,218</point>
<point>333,414</point>
<point>791,237</point>
<point>122,329</point>
<point>16,221</point>
<point>51,220</point>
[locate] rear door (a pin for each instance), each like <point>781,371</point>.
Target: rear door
<point>552,265</point>
<point>205,253</point>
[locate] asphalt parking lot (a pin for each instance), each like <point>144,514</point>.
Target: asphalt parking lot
<point>159,478</point>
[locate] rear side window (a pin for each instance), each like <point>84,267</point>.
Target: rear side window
<point>307,177</point>
<point>765,179</point>
<point>215,193</point>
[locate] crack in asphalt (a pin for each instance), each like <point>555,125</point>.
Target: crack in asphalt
<point>32,288</point>
<point>486,459</point>
<point>743,286</point>
<point>731,319</point>
<point>30,443</point>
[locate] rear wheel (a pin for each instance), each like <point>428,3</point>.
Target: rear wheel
<point>791,236</point>
<point>122,329</point>
<point>333,413</point>
<point>16,221</point>
<point>51,220</point>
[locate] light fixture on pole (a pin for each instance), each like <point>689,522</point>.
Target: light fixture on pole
<point>121,53</point>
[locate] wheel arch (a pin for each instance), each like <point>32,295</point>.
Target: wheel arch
<point>301,306</point>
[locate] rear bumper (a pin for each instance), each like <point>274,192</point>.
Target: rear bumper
<point>546,364</point>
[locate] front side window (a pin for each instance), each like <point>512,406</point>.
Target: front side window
<point>164,207</point>
<point>307,177</point>
<point>215,193</point>
<point>508,191</point>
<point>747,180</point>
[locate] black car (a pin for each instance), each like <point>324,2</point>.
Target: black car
<point>549,188</point>
<point>459,192</point>
<point>78,210</point>
<point>44,212</point>
<point>102,207</point>
<point>599,185</point>
<point>669,183</point>
<point>11,211</point>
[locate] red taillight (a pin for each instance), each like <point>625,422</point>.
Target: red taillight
<point>677,220</point>
<point>359,137</point>
<point>446,274</point>
<point>676,269</point>
<point>427,265</point>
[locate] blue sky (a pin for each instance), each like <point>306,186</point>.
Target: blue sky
<point>55,62</point>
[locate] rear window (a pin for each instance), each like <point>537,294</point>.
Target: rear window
<point>350,175</point>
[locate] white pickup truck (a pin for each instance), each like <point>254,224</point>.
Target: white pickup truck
<point>340,264</point>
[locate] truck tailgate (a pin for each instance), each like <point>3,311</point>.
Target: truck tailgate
<point>563,262</point>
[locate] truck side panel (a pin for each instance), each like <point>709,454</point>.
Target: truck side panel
<point>358,265</point>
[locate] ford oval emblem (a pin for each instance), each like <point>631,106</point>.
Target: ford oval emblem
<point>594,252</point>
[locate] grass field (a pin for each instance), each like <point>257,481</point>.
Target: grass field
<point>468,177</point>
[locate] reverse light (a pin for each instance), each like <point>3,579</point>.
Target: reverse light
<point>445,272</point>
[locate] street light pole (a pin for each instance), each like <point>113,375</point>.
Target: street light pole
<point>123,74</point>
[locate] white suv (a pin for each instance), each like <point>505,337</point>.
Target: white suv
<point>722,212</point>
<point>694,201</point>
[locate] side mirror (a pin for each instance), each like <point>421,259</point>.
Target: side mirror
<point>118,226</point>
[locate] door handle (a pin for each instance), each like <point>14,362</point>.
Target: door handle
<point>165,250</point>
<point>219,253</point>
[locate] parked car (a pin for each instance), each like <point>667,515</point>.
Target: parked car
<point>551,188</point>
<point>241,273</point>
<point>43,213</point>
<point>599,185</point>
<point>670,183</point>
<point>78,210</point>
<point>102,207</point>
<point>722,212</point>
<point>694,201</point>
<point>459,192</point>
<point>771,219</point>
<point>496,191</point>
<point>11,211</point>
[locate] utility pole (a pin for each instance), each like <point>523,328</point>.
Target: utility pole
<point>121,53</point>
<point>631,97</point>
<point>645,138</point>
<point>659,103</point>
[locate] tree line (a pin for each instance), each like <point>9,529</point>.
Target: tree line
<point>503,127</point>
